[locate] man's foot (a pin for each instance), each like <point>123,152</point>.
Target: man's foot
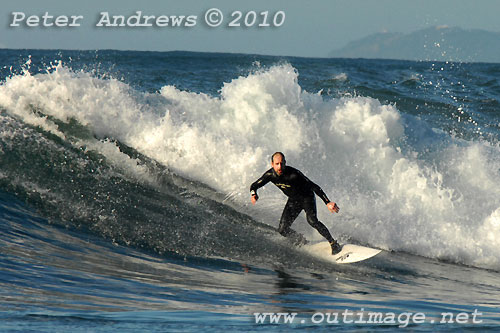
<point>336,248</point>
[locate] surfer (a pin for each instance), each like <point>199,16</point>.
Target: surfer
<point>300,192</point>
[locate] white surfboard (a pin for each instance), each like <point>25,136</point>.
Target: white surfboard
<point>350,252</point>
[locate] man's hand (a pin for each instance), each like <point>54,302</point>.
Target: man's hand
<point>254,198</point>
<point>332,207</point>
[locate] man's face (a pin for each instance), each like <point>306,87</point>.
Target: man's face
<point>278,164</point>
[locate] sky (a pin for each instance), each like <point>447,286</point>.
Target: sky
<point>311,28</point>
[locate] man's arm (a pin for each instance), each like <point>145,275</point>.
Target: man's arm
<point>263,180</point>
<point>332,206</point>
<point>319,192</point>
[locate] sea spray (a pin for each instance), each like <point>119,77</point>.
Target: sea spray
<point>401,184</point>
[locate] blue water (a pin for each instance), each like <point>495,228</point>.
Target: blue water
<point>124,191</point>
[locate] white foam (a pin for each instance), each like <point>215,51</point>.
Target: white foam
<point>340,77</point>
<point>394,191</point>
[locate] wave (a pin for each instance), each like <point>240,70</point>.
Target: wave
<point>99,153</point>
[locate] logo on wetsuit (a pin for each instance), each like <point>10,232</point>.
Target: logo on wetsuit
<point>283,186</point>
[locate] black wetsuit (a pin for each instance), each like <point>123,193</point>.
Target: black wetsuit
<point>300,192</point>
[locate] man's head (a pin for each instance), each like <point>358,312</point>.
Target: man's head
<point>278,163</point>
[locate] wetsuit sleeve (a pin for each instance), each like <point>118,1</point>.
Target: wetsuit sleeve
<point>263,180</point>
<point>319,192</point>
<point>316,189</point>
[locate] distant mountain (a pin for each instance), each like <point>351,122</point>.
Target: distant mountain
<point>440,43</point>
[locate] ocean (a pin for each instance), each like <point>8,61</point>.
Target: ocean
<point>124,192</point>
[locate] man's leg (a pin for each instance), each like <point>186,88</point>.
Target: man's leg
<point>312,219</point>
<point>290,212</point>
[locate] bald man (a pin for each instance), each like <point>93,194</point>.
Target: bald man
<point>300,192</point>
